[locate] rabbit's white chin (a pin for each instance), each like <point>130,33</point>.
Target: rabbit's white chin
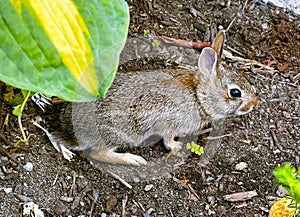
<point>239,112</point>
<point>247,107</point>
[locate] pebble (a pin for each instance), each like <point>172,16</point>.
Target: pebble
<point>281,192</point>
<point>148,187</point>
<point>265,26</point>
<point>241,166</point>
<point>209,179</point>
<point>4,158</point>
<point>7,190</point>
<point>286,115</point>
<point>28,167</point>
<point>210,198</point>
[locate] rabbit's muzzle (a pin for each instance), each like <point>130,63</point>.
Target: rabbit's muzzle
<point>248,107</point>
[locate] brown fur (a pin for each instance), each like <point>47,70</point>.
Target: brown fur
<point>249,105</point>
<point>184,77</point>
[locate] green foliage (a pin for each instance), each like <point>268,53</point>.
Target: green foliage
<point>290,178</point>
<point>146,31</point>
<point>75,67</point>
<point>12,97</point>
<point>74,57</point>
<point>195,148</point>
<point>155,43</point>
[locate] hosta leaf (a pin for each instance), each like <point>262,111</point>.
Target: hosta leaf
<point>68,48</point>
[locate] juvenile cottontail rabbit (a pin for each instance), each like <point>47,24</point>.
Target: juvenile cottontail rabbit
<point>142,104</point>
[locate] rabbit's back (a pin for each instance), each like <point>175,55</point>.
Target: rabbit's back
<point>137,106</point>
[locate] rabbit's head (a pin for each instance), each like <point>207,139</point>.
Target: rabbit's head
<point>222,92</point>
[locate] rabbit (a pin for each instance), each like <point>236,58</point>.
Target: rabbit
<point>165,103</point>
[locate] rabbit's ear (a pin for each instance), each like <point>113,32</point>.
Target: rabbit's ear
<point>207,62</point>
<point>218,42</point>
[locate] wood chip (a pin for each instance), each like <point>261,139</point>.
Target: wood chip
<point>67,199</point>
<point>241,166</point>
<point>111,203</point>
<point>240,196</point>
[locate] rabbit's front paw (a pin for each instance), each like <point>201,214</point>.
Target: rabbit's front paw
<point>174,145</point>
<point>170,143</point>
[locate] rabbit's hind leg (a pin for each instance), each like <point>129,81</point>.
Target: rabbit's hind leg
<point>112,157</point>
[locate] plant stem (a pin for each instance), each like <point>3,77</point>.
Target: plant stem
<point>25,139</point>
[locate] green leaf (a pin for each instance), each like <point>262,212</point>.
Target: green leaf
<point>68,49</point>
<point>24,92</point>
<point>188,146</point>
<point>195,148</point>
<point>17,111</point>
<point>289,177</point>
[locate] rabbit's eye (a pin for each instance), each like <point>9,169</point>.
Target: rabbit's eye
<point>235,93</point>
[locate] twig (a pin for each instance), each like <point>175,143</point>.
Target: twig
<point>5,140</point>
<point>179,182</point>
<point>124,201</point>
<point>275,140</point>
<point>142,207</point>
<point>186,186</point>
<point>205,131</point>
<point>95,198</point>
<point>183,43</point>
<point>244,6</point>
<point>5,123</point>
<point>55,179</point>
<point>118,178</point>
<point>73,184</point>
<point>247,61</point>
<point>218,137</point>
<point>230,24</point>
<point>4,152</point>
<point>139,205</point>
<point>235,51</point>
<point>193,191</point>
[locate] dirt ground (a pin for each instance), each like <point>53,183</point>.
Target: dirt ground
<point>264,139</point>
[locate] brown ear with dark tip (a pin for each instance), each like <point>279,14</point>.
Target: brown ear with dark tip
<point>218,42</point>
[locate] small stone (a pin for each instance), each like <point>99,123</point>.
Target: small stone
<point>28,167</point>
<point>7,190</point>
<point>67,199</point>
<point>286,115</point>
<point>148,187</point>
<point>4,158</point>
<point>281,192</point>
<point>265,26</point>
<point>241,166</point>
<point>210,198</point>
<point>32,209</point>
<point>207,207</point>
<point>221,210</point>
<point>209,179</point>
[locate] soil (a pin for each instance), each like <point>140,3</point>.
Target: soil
<point>264,139</point>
